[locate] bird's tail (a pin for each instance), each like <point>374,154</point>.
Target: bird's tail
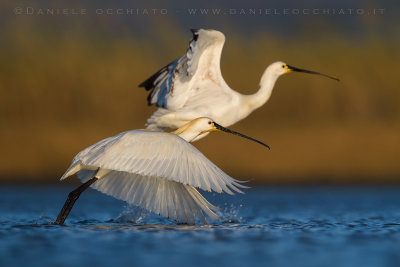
<point>161,196</point>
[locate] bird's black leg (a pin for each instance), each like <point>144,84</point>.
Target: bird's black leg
<point>72,198</point>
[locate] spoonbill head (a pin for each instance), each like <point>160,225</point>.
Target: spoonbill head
<point>200,126</point>
<point>279,68</point>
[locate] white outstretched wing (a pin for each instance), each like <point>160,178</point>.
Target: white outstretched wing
<point>155,154</point>
<point>161,196</point>
<point>186,76</point>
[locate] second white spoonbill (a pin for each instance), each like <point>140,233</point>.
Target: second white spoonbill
<point>157,171</point>
<point>192,86</point>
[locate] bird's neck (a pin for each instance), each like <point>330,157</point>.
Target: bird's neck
<point>186,133</point>
<point>267,82</point>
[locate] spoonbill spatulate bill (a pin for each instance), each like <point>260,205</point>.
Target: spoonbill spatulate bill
<point>158,171</point>
<point>192,86</point>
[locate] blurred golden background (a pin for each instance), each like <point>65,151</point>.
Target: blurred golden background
<point>68,81</point>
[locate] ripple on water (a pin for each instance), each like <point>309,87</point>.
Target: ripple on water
<point>279,226</point>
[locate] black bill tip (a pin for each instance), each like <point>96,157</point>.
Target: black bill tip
<point>291,68</point>
<point>221,128</point>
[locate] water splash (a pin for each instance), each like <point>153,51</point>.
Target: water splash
<point>230,213</point>
<point>133,214</point>
<point>139,216</point>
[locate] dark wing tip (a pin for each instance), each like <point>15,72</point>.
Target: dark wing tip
<point>149,100</point>
<point>148,84</point>
<point>195,33</point>
<point>144,84</point>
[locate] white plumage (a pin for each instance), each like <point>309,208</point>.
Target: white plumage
<point>158,171</point>
<point>154,154</point>
<point>161,196</point>
<point>192,86</point>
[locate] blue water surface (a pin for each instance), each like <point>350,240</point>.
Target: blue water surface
<point>267,226</point>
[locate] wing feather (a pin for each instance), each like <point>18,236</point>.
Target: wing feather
<point>170,86</point>
<point>167,198</point>
<point>155,154</point>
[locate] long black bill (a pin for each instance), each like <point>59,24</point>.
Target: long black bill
<point>221,128</point>
<point>310,72</point>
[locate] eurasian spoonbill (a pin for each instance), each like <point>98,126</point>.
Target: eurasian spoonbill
<point>158,171</point>
<point>192,86</point>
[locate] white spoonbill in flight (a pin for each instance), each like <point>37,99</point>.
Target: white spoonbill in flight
<point>157,171</point>
<point>192,86</point>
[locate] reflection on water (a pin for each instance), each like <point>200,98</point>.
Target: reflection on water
<point>275,226</point>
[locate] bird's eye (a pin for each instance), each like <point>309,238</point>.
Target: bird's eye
<point>283,66</point>
<point>209,122</point>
